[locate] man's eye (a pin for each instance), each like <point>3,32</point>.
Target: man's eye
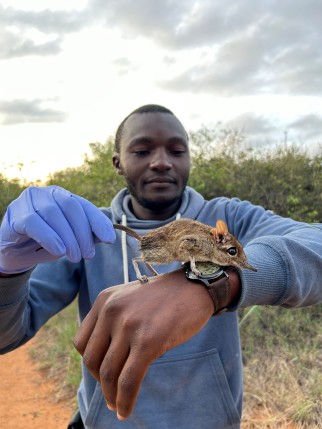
<point>141,152</point>
<point>178,152</point>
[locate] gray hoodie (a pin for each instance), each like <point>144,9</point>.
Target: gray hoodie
<point>199,383</point>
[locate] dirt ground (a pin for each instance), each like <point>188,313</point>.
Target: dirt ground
<point>27,397</point>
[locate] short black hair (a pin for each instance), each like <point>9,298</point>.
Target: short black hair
<point>147,108</point>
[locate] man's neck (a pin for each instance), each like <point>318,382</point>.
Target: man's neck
<point>149,214</point>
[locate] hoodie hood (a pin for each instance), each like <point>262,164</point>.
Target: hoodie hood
<point>191,205</point>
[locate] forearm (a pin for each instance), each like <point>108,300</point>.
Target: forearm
<point>28,300</point>
<point>13,310</point>
<point>3,275</point>
<point>199,292</point>
<point>288,271</point>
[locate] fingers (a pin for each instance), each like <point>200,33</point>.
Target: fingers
<point>110,370</point>
<point>61,222</point>
<point>64,222</point>
<point>114,352</point>
<point>73,226</point>
<point>119,370</point>
<point>38,230</point>
<point>85,220</point>
<point>100,224</point>
<point>85,330</point>
<point>93,345</point>
<point>129,383</point>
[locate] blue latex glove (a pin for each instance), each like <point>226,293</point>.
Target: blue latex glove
<point>44,224</point>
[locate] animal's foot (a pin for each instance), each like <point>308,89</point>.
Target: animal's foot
<point>193,267</point>
<point>196,271</point>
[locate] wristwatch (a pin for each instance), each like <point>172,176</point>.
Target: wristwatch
<point>215,279</point>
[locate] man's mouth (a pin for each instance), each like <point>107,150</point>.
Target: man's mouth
<point>160,180</point>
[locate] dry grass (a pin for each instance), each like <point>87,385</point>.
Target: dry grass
<point>283,372</point>
<point>276,395</point>
<point>56,354</point>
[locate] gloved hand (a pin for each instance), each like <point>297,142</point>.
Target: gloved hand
<point>44,224</point>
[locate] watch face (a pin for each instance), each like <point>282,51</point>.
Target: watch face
<point>207,268</point>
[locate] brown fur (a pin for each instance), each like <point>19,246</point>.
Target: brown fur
<point>189,240</point>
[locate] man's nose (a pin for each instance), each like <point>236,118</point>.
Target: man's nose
<point>161,161</point>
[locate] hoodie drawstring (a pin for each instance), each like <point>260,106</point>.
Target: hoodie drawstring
<point>124,252</point>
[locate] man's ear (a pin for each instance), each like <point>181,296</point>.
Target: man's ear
<point>117,163</point>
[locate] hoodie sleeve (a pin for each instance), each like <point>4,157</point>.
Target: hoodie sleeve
<point>289,271</point>
<point>27,302</point>
<point>286,253</point>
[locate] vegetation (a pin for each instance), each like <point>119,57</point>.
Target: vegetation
<point>282,367</point>
<point>9,190</point>
<point>56,355</point>
<point>283,179</point>
<point>95,180</point>
<point>283,370</point>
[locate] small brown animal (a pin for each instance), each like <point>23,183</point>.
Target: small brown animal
<point>187,240</point>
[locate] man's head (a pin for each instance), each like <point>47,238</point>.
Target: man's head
<point>152,153</point>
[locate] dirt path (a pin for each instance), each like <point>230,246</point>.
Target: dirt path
<point>27,398</point>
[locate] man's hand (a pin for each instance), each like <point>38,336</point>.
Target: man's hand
<point>45,223</point>
<point>131,325</point>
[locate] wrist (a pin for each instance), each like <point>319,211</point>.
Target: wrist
<point>235,286</point>
<point>221,283</point>
<point>191,290</point>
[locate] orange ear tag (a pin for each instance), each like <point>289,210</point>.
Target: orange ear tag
<point>220,231</point>
<point>221,227</point>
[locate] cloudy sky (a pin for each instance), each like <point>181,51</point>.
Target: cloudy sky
<point>70,71</point>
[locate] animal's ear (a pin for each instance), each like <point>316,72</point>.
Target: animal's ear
<point>220,232</point>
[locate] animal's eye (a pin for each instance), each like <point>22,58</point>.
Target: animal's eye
<point>232,251</point>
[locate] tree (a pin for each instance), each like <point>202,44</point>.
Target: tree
<point>95,180</point>
<point>283,179</point>
<point>9,190</point>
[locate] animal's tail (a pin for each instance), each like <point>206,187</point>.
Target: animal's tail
<point>127,230</point>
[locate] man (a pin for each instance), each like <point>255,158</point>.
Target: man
<point>153,355</point>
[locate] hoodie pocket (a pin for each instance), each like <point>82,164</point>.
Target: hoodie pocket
<point>189,392</point>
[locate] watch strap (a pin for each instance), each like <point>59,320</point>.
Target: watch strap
<point>220,293</point>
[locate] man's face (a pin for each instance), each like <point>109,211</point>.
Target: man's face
<point>154,158</point>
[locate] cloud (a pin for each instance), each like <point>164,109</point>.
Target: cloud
<point>252,47</point>
<point>150,19</point>
<point>308,127</point>
<point>262,130</point>
<point>178,25</point>
<point>124,65</point>
<point>15,24</point>
<point>20,111</point>
<point>266,59</point>
<point>13,46</point>
<point>169,60</point>
<point>253,125</point>
<point>47,20</point>
<point>191,24</point>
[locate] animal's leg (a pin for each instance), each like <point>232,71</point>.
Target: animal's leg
<point>193,267</point>
<point>139,276</point>
<point>155,273</point>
